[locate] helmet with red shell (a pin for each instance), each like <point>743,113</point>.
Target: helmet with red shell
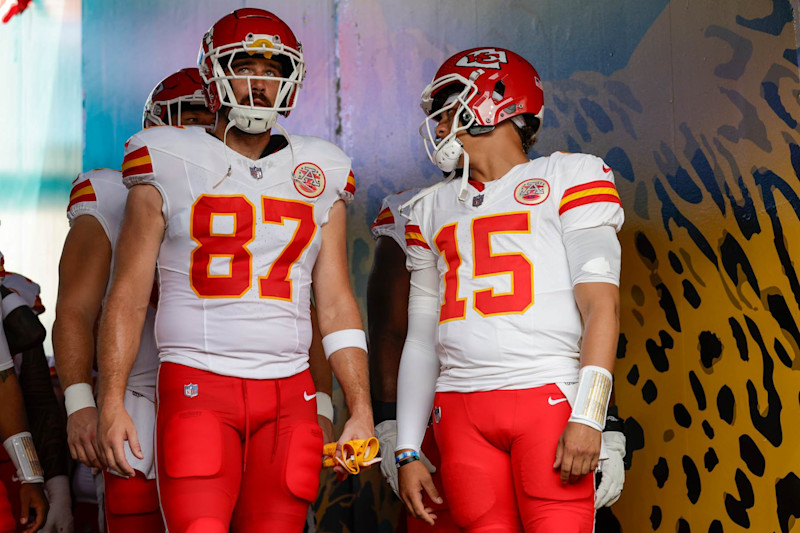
<point>258,33</point>
<point>166,100</point>
<point>484,87</point>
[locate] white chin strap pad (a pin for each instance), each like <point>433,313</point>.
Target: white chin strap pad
<point>253,120</point>
<point>447,154</point>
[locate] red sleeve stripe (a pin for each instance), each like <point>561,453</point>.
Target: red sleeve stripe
<point>384,218</point>
<point>351,183</point>
<point>590,199</point>
<point>82,198</point>
<point>137,162</point>
<point>587,186</point>
<point>82,192</point>
<point>414,237</point>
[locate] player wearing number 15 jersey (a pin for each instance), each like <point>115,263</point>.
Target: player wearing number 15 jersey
<point>244,224</point>
<point>518,263</point>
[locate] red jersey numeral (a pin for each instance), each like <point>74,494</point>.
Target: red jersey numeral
<point>453,307</point>
<point>231,247</point>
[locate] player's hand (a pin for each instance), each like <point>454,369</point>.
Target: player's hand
<point>414,478</point>
<point>33,506</point>
<point>612,470</point>
<point>116,427</point>
<point>82,436</point>
<point>326,426</point>
<point>386,432</point>
<point>578,452</point>
<point>59,518</point>
<point>356,427</point>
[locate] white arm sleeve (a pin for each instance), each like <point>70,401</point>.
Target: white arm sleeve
<point>593,255</point>
<point>419,365</point>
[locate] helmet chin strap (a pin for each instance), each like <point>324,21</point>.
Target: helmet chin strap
<point>447,157</point>
<point>252,120</point>
<point>227,157</point>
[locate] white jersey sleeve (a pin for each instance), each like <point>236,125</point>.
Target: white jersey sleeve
<point>389,222</point>
<point>27,289</point>
<point>101,194</point>
<point>586,193</point>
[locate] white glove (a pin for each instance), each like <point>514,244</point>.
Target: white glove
<point>386,432</point>
<point>613,470</point>
<point>59,518</point>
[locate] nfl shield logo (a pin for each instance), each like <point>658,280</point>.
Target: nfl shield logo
<point>190,390</point>
<point>477,201</point>
<point>256,173</point>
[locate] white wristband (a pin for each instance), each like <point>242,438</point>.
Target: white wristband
<point>23,454</point>
<point>78,396</point>
<point>591,403</point>
<point>344,338</point>
<point>324,405</point>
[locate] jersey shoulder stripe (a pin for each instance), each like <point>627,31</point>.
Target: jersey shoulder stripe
<point>82,192</point>
<point>137,162</point>
<point>351,183</point>
<point>587,193</point>
<point>384,218</point>
<point>414,237</point>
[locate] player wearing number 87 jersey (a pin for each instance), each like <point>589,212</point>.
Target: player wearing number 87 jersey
<point>243,224</point>
<point>518,262</point>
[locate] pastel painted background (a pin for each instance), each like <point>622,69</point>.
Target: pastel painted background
<point>694,104</point>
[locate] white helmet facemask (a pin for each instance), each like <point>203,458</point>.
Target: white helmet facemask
<point>247,116</point>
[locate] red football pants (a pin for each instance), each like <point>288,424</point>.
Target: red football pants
<point>444,521</point>
<point>498,449</point>
<point>132,504</point>
<point>236,454</point>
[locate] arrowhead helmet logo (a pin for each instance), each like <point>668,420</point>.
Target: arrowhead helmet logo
<point>485,58</point>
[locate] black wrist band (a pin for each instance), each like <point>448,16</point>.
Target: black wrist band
<point>407,460</point>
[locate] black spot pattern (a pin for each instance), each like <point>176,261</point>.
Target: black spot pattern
<point>646,251</point>
<point>715,527</point>
<point>726,405</point>
<point>697,389</point>
<point>745,214</point>
<point>633,375</point>
<point>769,424</point>
<point>675,263</point>
<point>690,294</point>
<point>710,348</point>
<point>787,494</point>
<point>692,479</point>
<point>783,355</point>
<point>737,509</point>
<point>682,416</point>
<point>622,346</point>
<point>661,472</point>
<point>683,526</point>
<point>741,340</point>
<point>670,212</point>
<point>658,353</point>
<point>667,303</point>
<point>655,517</point>
<point>708,430</point>
<point>634,440</point>
<point>751,455</point>
<point>649,391</point>
<point>710,459</point>
<point>734,258</point>
<point>783,316</point>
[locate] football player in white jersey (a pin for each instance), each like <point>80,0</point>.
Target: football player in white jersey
<point>513,308</point>
<point>95,210</point>
<point>241,223</point>
<point>18,443</point>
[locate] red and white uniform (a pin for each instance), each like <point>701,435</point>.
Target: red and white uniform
<point>233,326</point>
<point>131,504</point>
<point>509,330</point>
<point>390,222</point>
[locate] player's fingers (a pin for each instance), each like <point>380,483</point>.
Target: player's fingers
<point>430,488</point>
<point>566,466</point>
<point>24,507</point>
<point>40,505</point>
<point>419,509</point>
<point>133,441</point>
<point>119,460</point>
<point>559,455</point>
<point>98,455</point>
<point>595,462</point>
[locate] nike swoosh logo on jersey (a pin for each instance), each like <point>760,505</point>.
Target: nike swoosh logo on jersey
<point>551,401</point>
<point>606,169</point>
<point>309,397</point>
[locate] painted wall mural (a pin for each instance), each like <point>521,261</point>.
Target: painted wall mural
<point>695,107</point>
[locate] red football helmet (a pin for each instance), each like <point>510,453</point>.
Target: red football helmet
<point>252,31</point>
<point>181,88</point>
<point>484,86</point>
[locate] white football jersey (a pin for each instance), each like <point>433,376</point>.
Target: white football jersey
<point>239,248</point>
<point>508,317</point>
<point>389,222</point>
<point>26,288</point>
<point>101,194</point>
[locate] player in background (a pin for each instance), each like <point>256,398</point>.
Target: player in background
<point>242,223</point>
<point>95,210</point>
<point>25,334</point>
<point>513,308</point>
<point>18,443</point>
<point>387,309</point>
